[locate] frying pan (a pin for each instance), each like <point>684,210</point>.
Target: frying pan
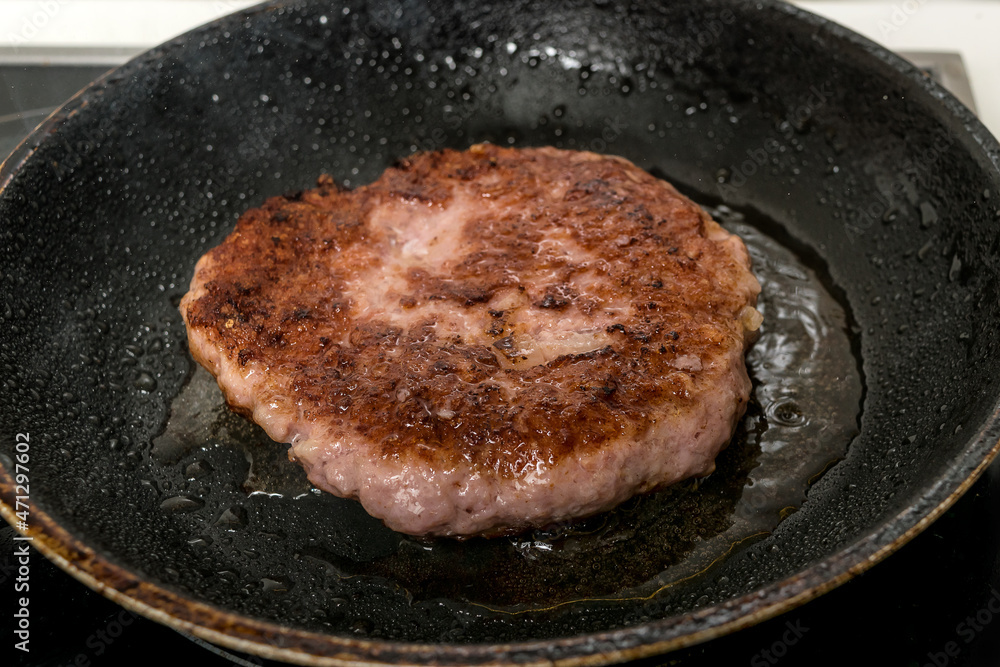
<point>877,178</point>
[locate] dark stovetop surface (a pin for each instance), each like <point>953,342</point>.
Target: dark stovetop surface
<point>935,602</point>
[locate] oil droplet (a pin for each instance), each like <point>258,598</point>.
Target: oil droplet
<point>956,269</point>
<point>928,215</point>
<point>181,504</point>
<point>233,518</point>
<point>275,584</point>
<point>197,469</point>
<point>786,412</point>
<point>145,382</point>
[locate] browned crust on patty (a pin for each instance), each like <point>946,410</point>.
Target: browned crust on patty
<point>275,294</point>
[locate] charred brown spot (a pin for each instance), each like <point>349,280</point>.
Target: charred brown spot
<point>597,186</point>
<point>443,367</point>
<point>608,388</point>
<point>505,344</point>
<point>556,298</point>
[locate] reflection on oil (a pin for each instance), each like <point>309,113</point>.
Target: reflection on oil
<point>803,415</point>
<point>199,419</point>
<point>801,418</point>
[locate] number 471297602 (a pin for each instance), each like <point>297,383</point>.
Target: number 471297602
<point>21,479</point>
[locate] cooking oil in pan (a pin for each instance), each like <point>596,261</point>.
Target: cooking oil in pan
<point>803,415</point>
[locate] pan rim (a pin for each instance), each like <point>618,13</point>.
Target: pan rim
<point>234,631</point>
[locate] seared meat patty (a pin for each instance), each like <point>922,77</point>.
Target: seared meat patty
<point>483,341</point>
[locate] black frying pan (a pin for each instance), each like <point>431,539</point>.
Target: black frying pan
<point>869,173</point>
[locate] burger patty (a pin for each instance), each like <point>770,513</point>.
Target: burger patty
<point>483,341</point>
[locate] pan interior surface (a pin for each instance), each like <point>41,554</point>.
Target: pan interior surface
<point>866,174</point>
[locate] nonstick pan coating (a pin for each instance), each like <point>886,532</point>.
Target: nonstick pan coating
<point>883,181</point>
